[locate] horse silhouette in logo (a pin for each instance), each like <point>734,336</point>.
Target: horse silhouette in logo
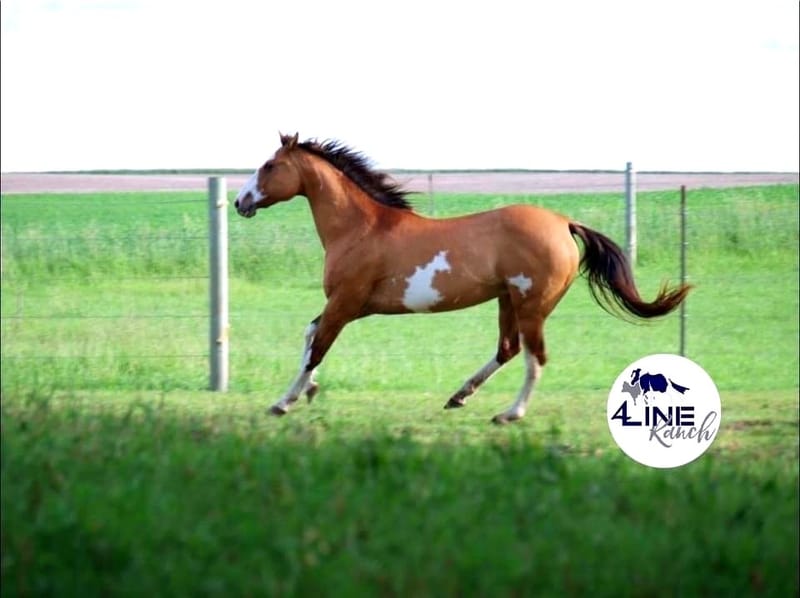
<point>641,384</point>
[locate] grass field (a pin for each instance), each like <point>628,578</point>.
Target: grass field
<point>122,476</point>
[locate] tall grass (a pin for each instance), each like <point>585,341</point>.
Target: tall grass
<point>181,495</point>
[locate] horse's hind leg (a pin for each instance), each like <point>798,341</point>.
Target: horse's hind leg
<point>532,339</point>
<point>507,347</point>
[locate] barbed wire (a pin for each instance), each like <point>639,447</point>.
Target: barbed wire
<point>108,317</point>
<point>108,238</point>
<point>114,356</point>
<point>423,200</point>
<point>354,353</point>
<point>75,198</point>
<point>76,278</point>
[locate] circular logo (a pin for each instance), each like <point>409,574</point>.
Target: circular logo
<point>664,411</point>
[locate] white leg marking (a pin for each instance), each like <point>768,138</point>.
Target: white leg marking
<point>533,371</point>
<point>482,375</point>
<point>522,282</point>
<point>311,330</point>
<point>311,386</point>
<point>304,380</point>
<point>459,399</point>
<point>420,294</point>
<point>294,391</point>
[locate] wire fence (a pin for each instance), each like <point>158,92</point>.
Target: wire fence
<point>122,281</point>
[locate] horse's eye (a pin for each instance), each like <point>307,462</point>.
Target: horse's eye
<point>268,166</point>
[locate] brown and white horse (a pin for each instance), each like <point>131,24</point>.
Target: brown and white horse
<point>382,258</point>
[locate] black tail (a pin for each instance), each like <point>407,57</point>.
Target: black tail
<point>611,281</point>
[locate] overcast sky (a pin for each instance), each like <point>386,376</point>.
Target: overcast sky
<point>678,85</point>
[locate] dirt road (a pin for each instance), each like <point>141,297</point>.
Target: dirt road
<point>445,182</point>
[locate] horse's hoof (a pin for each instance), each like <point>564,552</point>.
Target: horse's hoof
<point>312,391</point>
<point>278,411</point>
<point>505,418</point>
<point>455,403</point>
<point>457,400</point>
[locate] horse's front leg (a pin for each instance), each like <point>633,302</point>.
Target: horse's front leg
<point>319,337</point>
<point>311,388</point>
<point>304,382</point>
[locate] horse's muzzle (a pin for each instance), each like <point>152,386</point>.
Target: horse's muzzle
<point>246,209</point>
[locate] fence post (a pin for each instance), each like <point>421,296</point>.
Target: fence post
<point>630,212</point>
<point>683,271</point>
<point>218,287</point>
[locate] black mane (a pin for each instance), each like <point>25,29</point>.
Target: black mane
<point>378,185</point>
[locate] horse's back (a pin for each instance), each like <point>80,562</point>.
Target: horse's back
<point>425,264</point>
<point>535,219</point>
<point>510,237</point>
<point>542,234</point>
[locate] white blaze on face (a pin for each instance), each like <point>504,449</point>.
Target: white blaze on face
<point>251,187</point>
<point>522,282</point>
<point>420,294</point>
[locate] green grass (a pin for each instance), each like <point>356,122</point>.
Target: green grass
<point>110,291</point>
<point>376,494</point>
<point>121,475</point>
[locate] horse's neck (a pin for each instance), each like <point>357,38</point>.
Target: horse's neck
<point>339,207</point>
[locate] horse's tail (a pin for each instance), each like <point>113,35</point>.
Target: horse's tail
<point>611,280</point>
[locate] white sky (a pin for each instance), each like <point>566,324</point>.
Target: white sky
<point>669,85</point>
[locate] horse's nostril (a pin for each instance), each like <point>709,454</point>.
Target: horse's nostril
<point>236,204</point>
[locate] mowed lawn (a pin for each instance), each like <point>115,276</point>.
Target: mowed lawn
<point>122,475</point>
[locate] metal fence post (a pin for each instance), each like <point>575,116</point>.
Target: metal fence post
<point>683,271</point>
<point>218,287</point>
<point>630,212</point>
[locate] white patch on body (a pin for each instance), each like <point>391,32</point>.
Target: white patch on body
<point>251,187</point>
<point>420,294</point>
<point>522,282</point>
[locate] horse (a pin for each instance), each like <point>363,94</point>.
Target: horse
<point>382,257</point>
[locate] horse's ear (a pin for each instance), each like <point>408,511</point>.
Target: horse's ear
<point>289,141</point>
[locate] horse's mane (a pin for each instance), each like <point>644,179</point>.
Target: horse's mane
<point>378,185</point>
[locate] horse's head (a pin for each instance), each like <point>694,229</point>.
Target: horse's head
<point>277,180</point>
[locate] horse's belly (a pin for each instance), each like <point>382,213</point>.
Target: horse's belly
<point>460,302</point>
<point>423,294</point>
